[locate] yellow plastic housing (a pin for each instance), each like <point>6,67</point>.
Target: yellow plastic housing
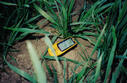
<point>57,49</point>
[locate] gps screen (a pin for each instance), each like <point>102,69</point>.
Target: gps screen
<point>65,44</point>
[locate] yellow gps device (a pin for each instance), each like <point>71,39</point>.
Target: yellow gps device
<point>62,46</point>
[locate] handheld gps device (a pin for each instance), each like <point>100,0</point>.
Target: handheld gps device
<point>62,46</point>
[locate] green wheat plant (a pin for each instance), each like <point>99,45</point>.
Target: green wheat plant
<point>114,42</point>
<point>60,17</point>
<point>61,20</point>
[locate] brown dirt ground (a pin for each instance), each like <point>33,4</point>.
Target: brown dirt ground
<point>24,62</point>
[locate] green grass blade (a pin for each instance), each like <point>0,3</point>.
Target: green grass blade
<point>88,14</point>
<point>20,72</point>
<point>98,68</point>
<point>60,59</point>
<point>71,6</point>
<point>122,11</point>
<point>121,57</point>
<point>27,30</point>
<point>49,44</point>
<point>43,13</point>
<point>98,40</point>
<point>117,72</point>
<point>83,57</point>
<point>123,38</point>
<point>81,81</point>
<point>64,16</point>
<point>111,57</point>
<point>39,71</point>
<point>80,23</point>
<point>79,65</point>
<point>32,19</point>
<point>64,70</point>
<point>48,69</point>
<point>59,16</point>
<point>7,3</point>
<point>21,36</point>
<point>73,77</point>
<point>103,7</point>
<point>55,74</point>
<point>82,72</point>
<point>86,38</point>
